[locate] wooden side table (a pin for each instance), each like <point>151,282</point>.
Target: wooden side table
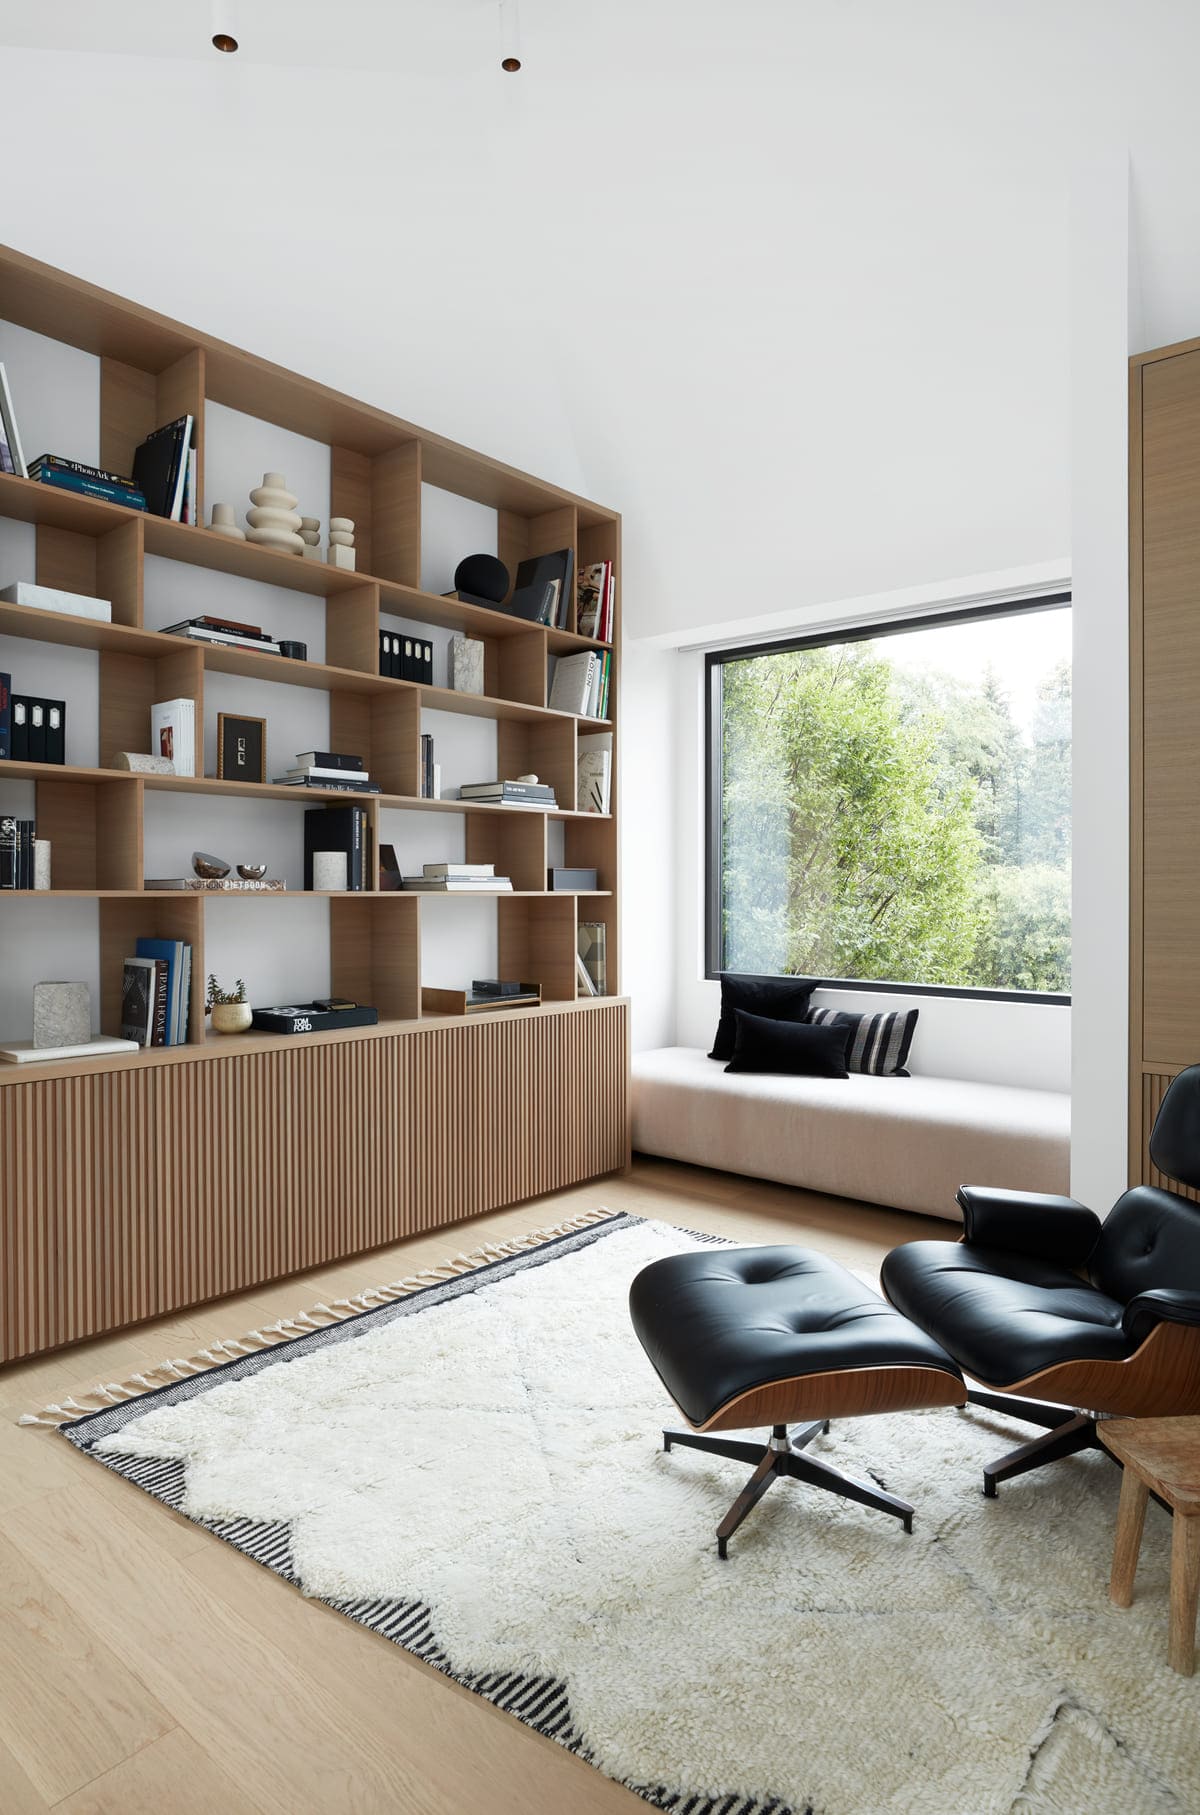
<point>1160,1455</point>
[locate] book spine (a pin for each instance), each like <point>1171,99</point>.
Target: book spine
<point>93,488</point>
<point>5,716</point>
<point>9,840</point>
<point>327,759</point>
<point>158,1036</point>
<point>58,463</point>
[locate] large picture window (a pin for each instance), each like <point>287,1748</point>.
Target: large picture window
<point>894,806</point>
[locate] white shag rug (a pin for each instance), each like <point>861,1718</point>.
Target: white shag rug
<point>833,1665</point>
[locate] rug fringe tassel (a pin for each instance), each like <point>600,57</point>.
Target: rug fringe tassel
<point>320,1316</point>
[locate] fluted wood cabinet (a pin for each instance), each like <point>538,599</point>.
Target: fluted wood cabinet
<point>136,1192</point>
<point>1164,545</point>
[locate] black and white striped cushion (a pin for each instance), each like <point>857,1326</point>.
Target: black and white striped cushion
<point>878,1043</point>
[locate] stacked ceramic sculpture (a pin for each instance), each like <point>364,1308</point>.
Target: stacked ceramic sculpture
<point>341,542</point>
<point>310,535</point>
<point>273,519</point>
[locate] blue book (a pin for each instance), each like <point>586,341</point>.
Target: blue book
<point>91,488</point>
<point>174,952</point>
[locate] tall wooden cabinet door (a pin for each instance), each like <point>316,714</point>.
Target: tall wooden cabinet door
<point>77,1209</point>
<point>1171,710</point>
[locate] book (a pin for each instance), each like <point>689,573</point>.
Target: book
<point>458,871</point>
<point>205,885</point>
<point>57,463</point>
<point>426,769</point>
<point>344,785</point>
<point>5,715</point>
<point>190,487</point>
<point>311,1018</point>
<point>170,952</point>
<point>173,733</point>
<point>449,885</point>
<point>53,598</point>
<point>228,639</point>
<point>511,790</point>
<point>544,570</point>
<point>160,467</point>
<point>56,731</point>
<point>591,600</point>
<point>341,828</point>
<point>319,772</point>
<point>10,846</point>
<point>36,751</point>
<point>327,759</point>
<point>92,488</point>
<point>593,772</point>
<point>162,1004</point>
<point>593,950</point>
<point>24,1052</point>
<point>12,434</point>
<point>137,1001</point>
<point>19,728</point>
<point>571,687</point>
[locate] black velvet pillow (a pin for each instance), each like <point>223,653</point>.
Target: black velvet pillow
<point>775,998</point>
<point>800,1049</point>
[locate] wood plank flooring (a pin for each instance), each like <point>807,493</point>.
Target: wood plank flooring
<point>147,1669</point>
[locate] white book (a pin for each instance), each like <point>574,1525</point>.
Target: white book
<point>12,433</point>
<point>52,598</point>
<point>594,773</point>
<point>458,885</point>
<point>573,681</point>
<point>459,870</point>
<point>24,1052</point>
<point>173,733</point>
<point>313,772</point>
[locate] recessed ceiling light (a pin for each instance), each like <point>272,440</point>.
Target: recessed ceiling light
<point>223,41</point>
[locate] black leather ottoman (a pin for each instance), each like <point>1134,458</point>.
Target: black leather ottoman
<point>742,1337</point>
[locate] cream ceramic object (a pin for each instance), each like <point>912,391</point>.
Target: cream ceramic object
<point>231,1017</point>
<point>224,521</point>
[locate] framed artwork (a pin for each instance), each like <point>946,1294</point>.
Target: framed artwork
<point>241,748</point>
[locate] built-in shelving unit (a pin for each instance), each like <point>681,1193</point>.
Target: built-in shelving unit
<point>152,369</point>
<point>138,1185</point>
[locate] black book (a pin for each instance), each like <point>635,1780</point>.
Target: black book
<point>408,660</point>
<point>544,570</point>
<point>56,730</point>
<point>9,848</point>
<point>137,1001</point>
<point>25,829</point>
<point>5,715</point>
<point>160,466</point>
<point>37,731</point>
<point>58,463</point>
<point>426,766</point>
<point>337,829</point>
<point>427,663</point>
<point>327,759</point>
<point>310,1018</point>
<point>19,738</point>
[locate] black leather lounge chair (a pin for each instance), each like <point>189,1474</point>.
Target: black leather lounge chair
<point>1050,1309</point>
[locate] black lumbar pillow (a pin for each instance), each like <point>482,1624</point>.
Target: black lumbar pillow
<point>798,1048</point>
<point>778,998</point>
<point>878,1044</point>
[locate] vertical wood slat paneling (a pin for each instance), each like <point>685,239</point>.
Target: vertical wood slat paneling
<point>130,1194</point>
<point>1154,1089</point>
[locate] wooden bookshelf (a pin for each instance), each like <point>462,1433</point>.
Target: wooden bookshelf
<point>538,1097</point>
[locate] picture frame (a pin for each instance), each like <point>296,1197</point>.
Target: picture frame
<point>241,748</point>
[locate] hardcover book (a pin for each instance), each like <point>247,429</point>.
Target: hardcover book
<point>173,733</point>
<point>311,1018</point>
<point>137,1001</point>
<point>160,467</point>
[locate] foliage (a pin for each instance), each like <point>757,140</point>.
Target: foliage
<point>217,996</point>
<point>882,824</point>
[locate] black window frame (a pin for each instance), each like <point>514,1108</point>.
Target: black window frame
<point>715,661</point>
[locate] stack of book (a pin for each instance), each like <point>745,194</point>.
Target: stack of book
<point>164,469</point>
<point>90,481</point>
<point>581,684</point>
<point>340,829</point>
<point>224,631</point>
<point>538,794</point>
<point>593,773</point>
<point>16,852</point>
<point>157,993</point>
<point>336,769</point>
<point>597,599</point>
<point>458,879</point>
<point>405,658</point>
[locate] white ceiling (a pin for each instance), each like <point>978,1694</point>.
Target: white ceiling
<point>787,280</point>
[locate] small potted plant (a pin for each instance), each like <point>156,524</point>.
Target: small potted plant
<point>229,1009</point>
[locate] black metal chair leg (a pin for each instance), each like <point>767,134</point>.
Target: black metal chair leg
<point>1031,1411</point>
<point>818,1474</point>
<point>749,1497</point>
<point>717,1446</point>
<point>1077,1433</point>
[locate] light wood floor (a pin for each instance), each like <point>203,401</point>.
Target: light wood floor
<point>148,1669</point>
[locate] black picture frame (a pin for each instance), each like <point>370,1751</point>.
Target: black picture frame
<point>241,748</point>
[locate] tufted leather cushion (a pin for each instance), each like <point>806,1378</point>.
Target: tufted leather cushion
<point>1004,1315</point>
<point>1150,1238</point>
<point>717,1322</point>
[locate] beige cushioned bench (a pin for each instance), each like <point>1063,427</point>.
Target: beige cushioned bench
<point>910,1142</point>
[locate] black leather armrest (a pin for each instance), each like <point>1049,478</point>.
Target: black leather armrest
<point>1030,1222</point>
<point>1163,1305</point>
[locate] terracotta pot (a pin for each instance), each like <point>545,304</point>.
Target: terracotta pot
<point>231,1017</point>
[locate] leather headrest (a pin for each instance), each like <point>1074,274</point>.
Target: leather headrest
<point>1175,1137</point>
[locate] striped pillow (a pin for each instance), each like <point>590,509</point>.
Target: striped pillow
<point>878,1043</point>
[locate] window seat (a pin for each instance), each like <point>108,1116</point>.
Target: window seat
<point>907,1142</point>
